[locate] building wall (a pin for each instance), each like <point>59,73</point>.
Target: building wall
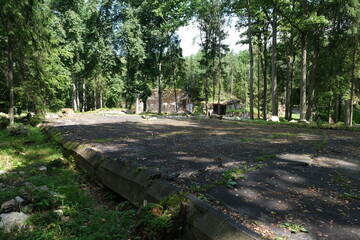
<point>168,101</point>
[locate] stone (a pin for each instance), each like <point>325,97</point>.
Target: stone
<point>27,208</point>
<point>59,212</point>
<point>2,172</point>
<point>8,206</point>
<point>13,219</point>
<point>293,121</point>
<point>273,119</point>
<point>19,200</point>
<point>43,188</point>
<point>43,168</point>
<point>22,191</point>
<point>304,121</point>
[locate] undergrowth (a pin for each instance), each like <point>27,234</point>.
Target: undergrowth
<point>59,201</point>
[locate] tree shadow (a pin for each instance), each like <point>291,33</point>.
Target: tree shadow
<point>316,188</point>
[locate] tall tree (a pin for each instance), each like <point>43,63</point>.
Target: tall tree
<point>274,90</point>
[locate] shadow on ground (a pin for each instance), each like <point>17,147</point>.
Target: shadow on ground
<point>294,176</point>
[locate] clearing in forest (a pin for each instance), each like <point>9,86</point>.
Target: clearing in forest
<point>279,180</point>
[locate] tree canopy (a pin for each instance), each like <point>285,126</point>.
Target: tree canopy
<point>109,53</point>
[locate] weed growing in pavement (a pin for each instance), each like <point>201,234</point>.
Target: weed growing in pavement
<point>281,135</point>
<point>227,179</point>
<point>294,228</point>
<point>244,140</point>
<point>322,143</point>
<point>351,195</point>
<point>104,140</point>
<point>265,157</point>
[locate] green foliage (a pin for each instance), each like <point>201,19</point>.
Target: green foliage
<point>351,196</point>
<point>227,179</point>
<point>294,228</point>
<point>265,157</point>
<point>59,201</point>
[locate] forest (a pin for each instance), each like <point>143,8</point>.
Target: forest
<point>90,54</point>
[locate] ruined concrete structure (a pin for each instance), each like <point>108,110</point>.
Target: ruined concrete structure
<point>172,101</point>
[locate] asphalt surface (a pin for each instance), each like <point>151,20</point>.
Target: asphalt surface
<point>284,178</point>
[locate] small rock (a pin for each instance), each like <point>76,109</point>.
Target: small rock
<point>59,212</point>
<point>19,200</point>
<point>293,121</point>
<point>43,188</point>
<point>8,206</point>
<point>22,191</point>
<point>2,172</point>
<point>21,172</point>
<point>172,177</point>
<point>273,119</point>
<point>304,121</point>
<point>10,220</point>
<point>43,168</point>
<point>28,184</point>
<point>28,208</point>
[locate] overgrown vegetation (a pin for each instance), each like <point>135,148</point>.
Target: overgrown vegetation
<point>61,202</point>
<point>227,179</point>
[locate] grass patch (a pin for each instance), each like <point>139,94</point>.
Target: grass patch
<point>244,140</point>
<point>227,179</point>
<point>294,228</point>
<point>265,157</point>
<point>282,135</point>
<point>61,203</point>
<point>103,140</point>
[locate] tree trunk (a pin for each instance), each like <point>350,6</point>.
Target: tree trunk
<point>349,102</point>
<point>101,103</point>
<point>137,107</point>
<point>213,83</point>
<point>219,77</point>
<point>290,76</point>
<point>251,62</point>
<point>312,80</point>
<point>232,83</point>
<point>78,95</point>
<point>74,94</point>
<point>84,97</point>
<point>10,76</point>
<point>303,77</point>
<point>288,88</point>
<point>159,83</point>
<point>258,81</point>
<point>175,93</point>
<point>264,68</point>
<point>303,36</point>
<point>274,94</point>
<point>337,108</point>
<point>95,100</point>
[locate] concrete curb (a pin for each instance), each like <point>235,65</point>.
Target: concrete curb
<point>136,185</point>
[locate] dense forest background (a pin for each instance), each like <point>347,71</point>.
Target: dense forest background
<point>89,54</point>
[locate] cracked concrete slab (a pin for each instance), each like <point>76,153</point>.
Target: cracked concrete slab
<point>308,177</point>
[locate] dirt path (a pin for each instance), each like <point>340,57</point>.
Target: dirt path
<point>273,178</point>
